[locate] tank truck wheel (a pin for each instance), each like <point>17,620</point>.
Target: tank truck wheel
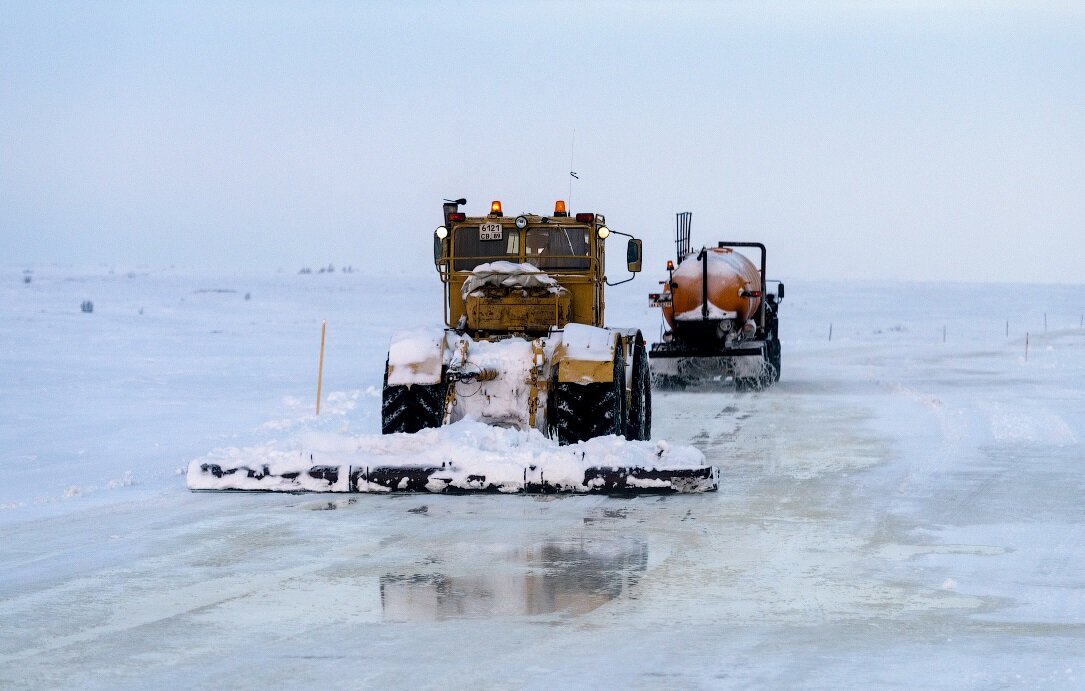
<point>774,357</point>
<point>773,342</point>
<point>586,411</point>
<point>411,408</point>
<point>640,399</point>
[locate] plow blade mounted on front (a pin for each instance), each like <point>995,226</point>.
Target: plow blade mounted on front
<point>466,456</point>
<point>451,480</point>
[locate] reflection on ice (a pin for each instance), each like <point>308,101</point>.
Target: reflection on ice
<point>571,577</point>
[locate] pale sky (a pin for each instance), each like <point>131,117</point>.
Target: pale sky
<point>857,140</point>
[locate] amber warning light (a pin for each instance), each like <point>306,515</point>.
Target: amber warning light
<point>495,208</point>
<point>559,208</point>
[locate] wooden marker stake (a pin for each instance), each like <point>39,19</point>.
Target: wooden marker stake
<point>320,370</point>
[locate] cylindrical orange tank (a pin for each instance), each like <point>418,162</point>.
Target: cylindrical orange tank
<point>730,275</point>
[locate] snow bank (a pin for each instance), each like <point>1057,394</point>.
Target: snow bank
<point>464,451</point>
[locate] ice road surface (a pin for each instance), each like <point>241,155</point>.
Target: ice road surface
<point>901,511</point>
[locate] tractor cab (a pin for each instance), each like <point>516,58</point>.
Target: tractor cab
<point>523,274</point>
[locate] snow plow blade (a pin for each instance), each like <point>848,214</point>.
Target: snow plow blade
<point>463,457</point>
<point>385,479</point>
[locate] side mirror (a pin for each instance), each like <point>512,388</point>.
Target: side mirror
<point>438,250</point>
<point>780,292</point>
<point>633,255</point>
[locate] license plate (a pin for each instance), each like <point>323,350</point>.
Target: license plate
<point>489,231</point>
<point>659,299</point>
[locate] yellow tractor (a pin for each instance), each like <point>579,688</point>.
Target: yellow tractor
<point>524,343</point>
<point>524,346</point>
<point>523,350</point>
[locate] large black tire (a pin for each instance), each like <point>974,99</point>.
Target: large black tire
<point>412,408</point>
<point>586,411</point>
<point>772,340</point>
<point>639,425</point>
<point>774,357</point>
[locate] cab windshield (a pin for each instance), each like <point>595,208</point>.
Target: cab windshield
<point>551,247</point>
<point>558,248</point>
<point>471,250</point>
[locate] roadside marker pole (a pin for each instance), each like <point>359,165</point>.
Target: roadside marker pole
<point>320,369</point>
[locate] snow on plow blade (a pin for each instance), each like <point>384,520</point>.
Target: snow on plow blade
<point>476,458</point>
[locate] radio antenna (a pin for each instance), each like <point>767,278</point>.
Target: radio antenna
<point>572,173</point>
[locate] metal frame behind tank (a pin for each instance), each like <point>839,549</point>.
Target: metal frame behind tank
<point>684,220</point>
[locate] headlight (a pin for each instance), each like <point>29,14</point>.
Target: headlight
<point>521,222</point>
<point>441,232</point>
<point>603,232</point>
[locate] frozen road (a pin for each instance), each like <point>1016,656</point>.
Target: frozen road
<point>899,512</point>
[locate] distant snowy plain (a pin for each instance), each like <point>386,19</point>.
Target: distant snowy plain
<point>905,509</point>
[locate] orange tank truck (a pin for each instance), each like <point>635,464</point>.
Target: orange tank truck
<point>721,323</point>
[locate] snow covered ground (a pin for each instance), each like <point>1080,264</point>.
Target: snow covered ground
<point>906,509</point>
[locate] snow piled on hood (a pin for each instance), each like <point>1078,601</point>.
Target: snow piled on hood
<point>462,449</point>
<point>509,275</point>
